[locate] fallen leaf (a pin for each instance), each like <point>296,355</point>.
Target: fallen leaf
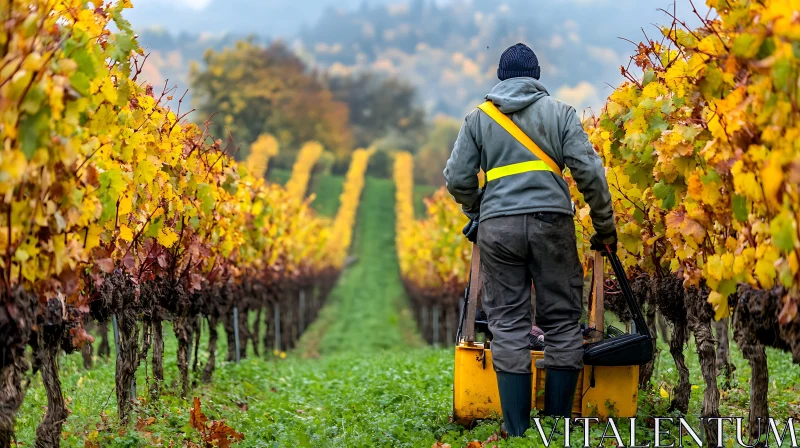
<point>493,438</point>
<point>213,432</point>
<point>663,393</point>
<point>474,444</point>
<point>144,423</point>
<point>196,417</point>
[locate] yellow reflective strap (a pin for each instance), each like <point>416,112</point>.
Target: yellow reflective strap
<point>502,119</point>
<point>516,168</point>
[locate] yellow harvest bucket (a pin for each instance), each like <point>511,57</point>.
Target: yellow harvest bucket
<point>602,391</point>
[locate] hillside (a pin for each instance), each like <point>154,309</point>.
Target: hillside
<point>449,50</point>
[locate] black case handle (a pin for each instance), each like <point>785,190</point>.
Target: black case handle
<point>636,311</point>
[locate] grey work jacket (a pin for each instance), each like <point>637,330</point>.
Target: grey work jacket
<point>556,129</point>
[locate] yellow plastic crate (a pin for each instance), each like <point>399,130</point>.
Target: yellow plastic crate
<point>602,391</point>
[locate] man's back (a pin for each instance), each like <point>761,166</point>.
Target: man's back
<point>556,130</point>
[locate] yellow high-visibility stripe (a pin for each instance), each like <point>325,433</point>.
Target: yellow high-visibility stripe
<point>516,168</point>
<point>502,119</point>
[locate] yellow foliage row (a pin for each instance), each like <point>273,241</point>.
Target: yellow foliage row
<point>264,148</point>
<point>96,175</point>
<point>342,230</point>
<point>433,253</point>
<point>403,174</point>
<point>301,170</point>
<point>703,153</point>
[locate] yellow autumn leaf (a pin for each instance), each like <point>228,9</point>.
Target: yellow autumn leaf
<point>167,237</point>
<point>772,179</point>
<point>695,187</point>
<point>765,270</point>
<point>125,233</point>
<point>125,205</point>
<point>720,305</point>
<point>93,237</point>
<point>663,392</point>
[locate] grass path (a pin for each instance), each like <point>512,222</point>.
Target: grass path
<point>368,308</point>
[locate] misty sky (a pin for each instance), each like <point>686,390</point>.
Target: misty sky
<point>283,18</point>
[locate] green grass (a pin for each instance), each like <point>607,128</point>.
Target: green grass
<point>357,398</point>
<point>358,378</point>
<point>279,176</point>
<point>326,190</point>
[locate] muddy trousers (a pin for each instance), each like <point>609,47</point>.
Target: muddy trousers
<point>516,250</point>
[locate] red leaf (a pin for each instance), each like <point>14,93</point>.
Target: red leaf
<point>92,176</point>
<point>106,264</point>
<point>129,262</point>
<point>80,337</point>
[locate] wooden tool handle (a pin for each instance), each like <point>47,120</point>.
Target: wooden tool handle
<point>596,308</point>
<point>475,285</point>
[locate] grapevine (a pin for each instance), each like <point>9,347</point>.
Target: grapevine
<point>301,170</point>
<point>703,165</point>
<point>261,151</point>
<point>342,228</point>
<point>114,205</point>
<point>433,254</point>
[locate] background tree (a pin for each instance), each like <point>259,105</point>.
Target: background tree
<point>380,107</point>
<point>432,156</point>
<point>253,90</point>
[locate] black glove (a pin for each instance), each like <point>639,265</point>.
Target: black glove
<point>602,242</point>
<point>471,230</point>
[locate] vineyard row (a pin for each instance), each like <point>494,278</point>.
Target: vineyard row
<point>703,162</point>
<point>116,210</point>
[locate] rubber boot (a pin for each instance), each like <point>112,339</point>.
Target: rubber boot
<point>559,391</point>
<point>515,400</point>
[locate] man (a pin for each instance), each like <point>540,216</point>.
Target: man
<point>526,230</point>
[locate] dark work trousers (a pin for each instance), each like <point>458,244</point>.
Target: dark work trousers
<point>515,250</point>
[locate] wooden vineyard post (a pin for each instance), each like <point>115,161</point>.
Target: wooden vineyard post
<point>269,332</point>
<point>291,331</point>
<point>302,310</point>
<point>435,322</point>
<point>449,323</point>
<point>596,307</point>
<point>236,332</point>
<point>276,311</point>
<point>424,321</point>
<point>474,294</point>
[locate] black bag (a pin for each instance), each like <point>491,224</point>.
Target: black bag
<point>627,349</point>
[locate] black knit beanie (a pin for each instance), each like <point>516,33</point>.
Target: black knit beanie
<point>518,61</point>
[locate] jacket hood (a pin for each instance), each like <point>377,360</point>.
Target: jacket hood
<point>516,94</point>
